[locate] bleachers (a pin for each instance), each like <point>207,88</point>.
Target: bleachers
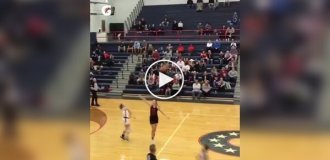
<point>190,18</point>
<point>186,91</point>
<point>108,74</point>
<point>155,15</point>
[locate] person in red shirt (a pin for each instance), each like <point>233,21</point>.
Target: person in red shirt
<point>155,55</point>
<point>191,48</point>
<point>204,56</point>
<point>180,48</point>
<point>223,73</point>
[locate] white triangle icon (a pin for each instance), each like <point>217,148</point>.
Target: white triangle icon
<point>164,79</point>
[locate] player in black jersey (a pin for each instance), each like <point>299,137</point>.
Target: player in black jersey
<point>153,118</point>
<point>151,155</point>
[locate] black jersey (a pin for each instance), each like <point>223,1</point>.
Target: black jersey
<point>151,156</point>
<point>153,111</point>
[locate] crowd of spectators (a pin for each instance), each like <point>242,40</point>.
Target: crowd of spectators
<point>220,77</point>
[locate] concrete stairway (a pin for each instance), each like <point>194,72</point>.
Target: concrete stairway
<point>121,81</point>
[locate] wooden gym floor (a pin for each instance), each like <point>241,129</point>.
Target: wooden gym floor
<point>176,138</point>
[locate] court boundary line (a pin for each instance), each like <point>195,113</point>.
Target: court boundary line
<point>173,133</point>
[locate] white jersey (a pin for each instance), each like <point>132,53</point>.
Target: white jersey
<point>126,116</point>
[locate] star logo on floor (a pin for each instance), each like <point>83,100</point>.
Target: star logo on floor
<point>220,142</point>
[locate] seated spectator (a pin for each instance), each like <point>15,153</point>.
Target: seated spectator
<point>160,30</point>
<point>144,46</point>
<point>223,73</point>
<point>233,44</point>
<point>134,25</point>
<point>151,80</point>
<point>211,4</point>
<point>223,85</point>
<point>152,29</point>
<point>204,56</point>
<point>206,76</point>
<point>140,79</point>
<point>167,55</point>
<point>191,48</point>
<point>229,32</point>
<point>176,85</point>
<point>235,19</point>
<point>180,63</point>
<point>208,29</point>
<point>206,88</point>
<point>216,45</point>
<point>200,28</point>
<point>209,53</point>
<point>132,79</point>
<point>130,47</point>
<point>178,77</point>
<point>166,20</point>
<point>155,55</point>
<point>196,90</point>
<point>146,28</point>
<point>223,32</point>
<point>140,27</point>
<point>150,49</point>
<point>233,75</point>
<point>143,22</point>
<point>180,48</point>
<point>175,25</point>
<point>122,47</point>
<point>214,71</point>
<point>169,48</point>
<point>180,26</point>
<point>190,3</point>
<point>209,45</point>
<point>186,67</point>
<point>199,6</point>
<point>168,89</point>
<point>136,47</point>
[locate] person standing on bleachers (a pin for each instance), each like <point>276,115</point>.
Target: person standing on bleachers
<point>122,47</point>
<point>209,45</point>
<point>211,4</point>
<point>199,6</point>
<point>180,26</point>
<point>180,48</point>
<point>196,92</point>
<point>191,48</point>
<point>190,3</point>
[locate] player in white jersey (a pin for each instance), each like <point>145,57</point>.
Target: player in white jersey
<point>126,114</point>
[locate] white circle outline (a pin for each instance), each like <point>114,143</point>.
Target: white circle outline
<point>146,84</point>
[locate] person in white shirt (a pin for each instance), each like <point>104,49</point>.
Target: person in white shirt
<point>94,88</point>
<point>209,45</point>
<point>127,114</point>
<point>203,155</point>
<point>233,44</point>
<point>180,63</point>
<point>186,68</point>
<point>196,90</point>
<point>180,26</point>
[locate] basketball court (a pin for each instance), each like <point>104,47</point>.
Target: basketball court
<point>179,137</point>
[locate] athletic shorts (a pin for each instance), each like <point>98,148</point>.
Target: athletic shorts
<point>153,119</point>
<point>126,121</point>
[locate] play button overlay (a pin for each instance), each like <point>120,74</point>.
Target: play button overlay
<point>164,79</point>
<point>164,76</point>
